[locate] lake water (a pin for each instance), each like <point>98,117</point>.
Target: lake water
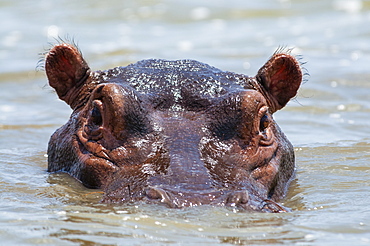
<point>328,122</point>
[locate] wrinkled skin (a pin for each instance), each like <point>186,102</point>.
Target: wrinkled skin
<point>181,132</point>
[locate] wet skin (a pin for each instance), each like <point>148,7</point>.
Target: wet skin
<point>181,132</point>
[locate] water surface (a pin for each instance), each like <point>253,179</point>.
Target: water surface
<point>328,122</point>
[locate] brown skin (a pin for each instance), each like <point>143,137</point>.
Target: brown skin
<point>180,133</point>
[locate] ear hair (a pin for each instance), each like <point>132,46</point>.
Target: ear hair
<point>281,77</point>
<point>66,70</point>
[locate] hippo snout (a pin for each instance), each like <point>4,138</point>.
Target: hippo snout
<point>239,199</point>
<point>175,199</point>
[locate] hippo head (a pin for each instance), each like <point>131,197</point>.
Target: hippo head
<point>180,132</point>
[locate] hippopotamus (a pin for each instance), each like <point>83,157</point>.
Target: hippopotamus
<point>175,132</point>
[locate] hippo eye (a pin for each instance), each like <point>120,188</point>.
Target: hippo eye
<point>264,122</point>
<point>265,128</point>
<point>96,116</point>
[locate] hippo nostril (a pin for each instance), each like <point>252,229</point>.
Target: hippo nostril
<point>238,197</point>
<point>270,206</point>
<point>154,193</point>
<point>158,193</point>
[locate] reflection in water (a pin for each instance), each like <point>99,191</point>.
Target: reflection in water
<point>294,198</point>
<point>69,191</point>
<point>152,223</point>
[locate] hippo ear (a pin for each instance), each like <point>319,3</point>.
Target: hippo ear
<point>66,71</point>
<point>281,77</point>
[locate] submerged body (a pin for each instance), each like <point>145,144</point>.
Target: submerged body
<point>179,132</point>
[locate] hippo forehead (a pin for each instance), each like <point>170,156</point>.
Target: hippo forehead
<point>177,82</point>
